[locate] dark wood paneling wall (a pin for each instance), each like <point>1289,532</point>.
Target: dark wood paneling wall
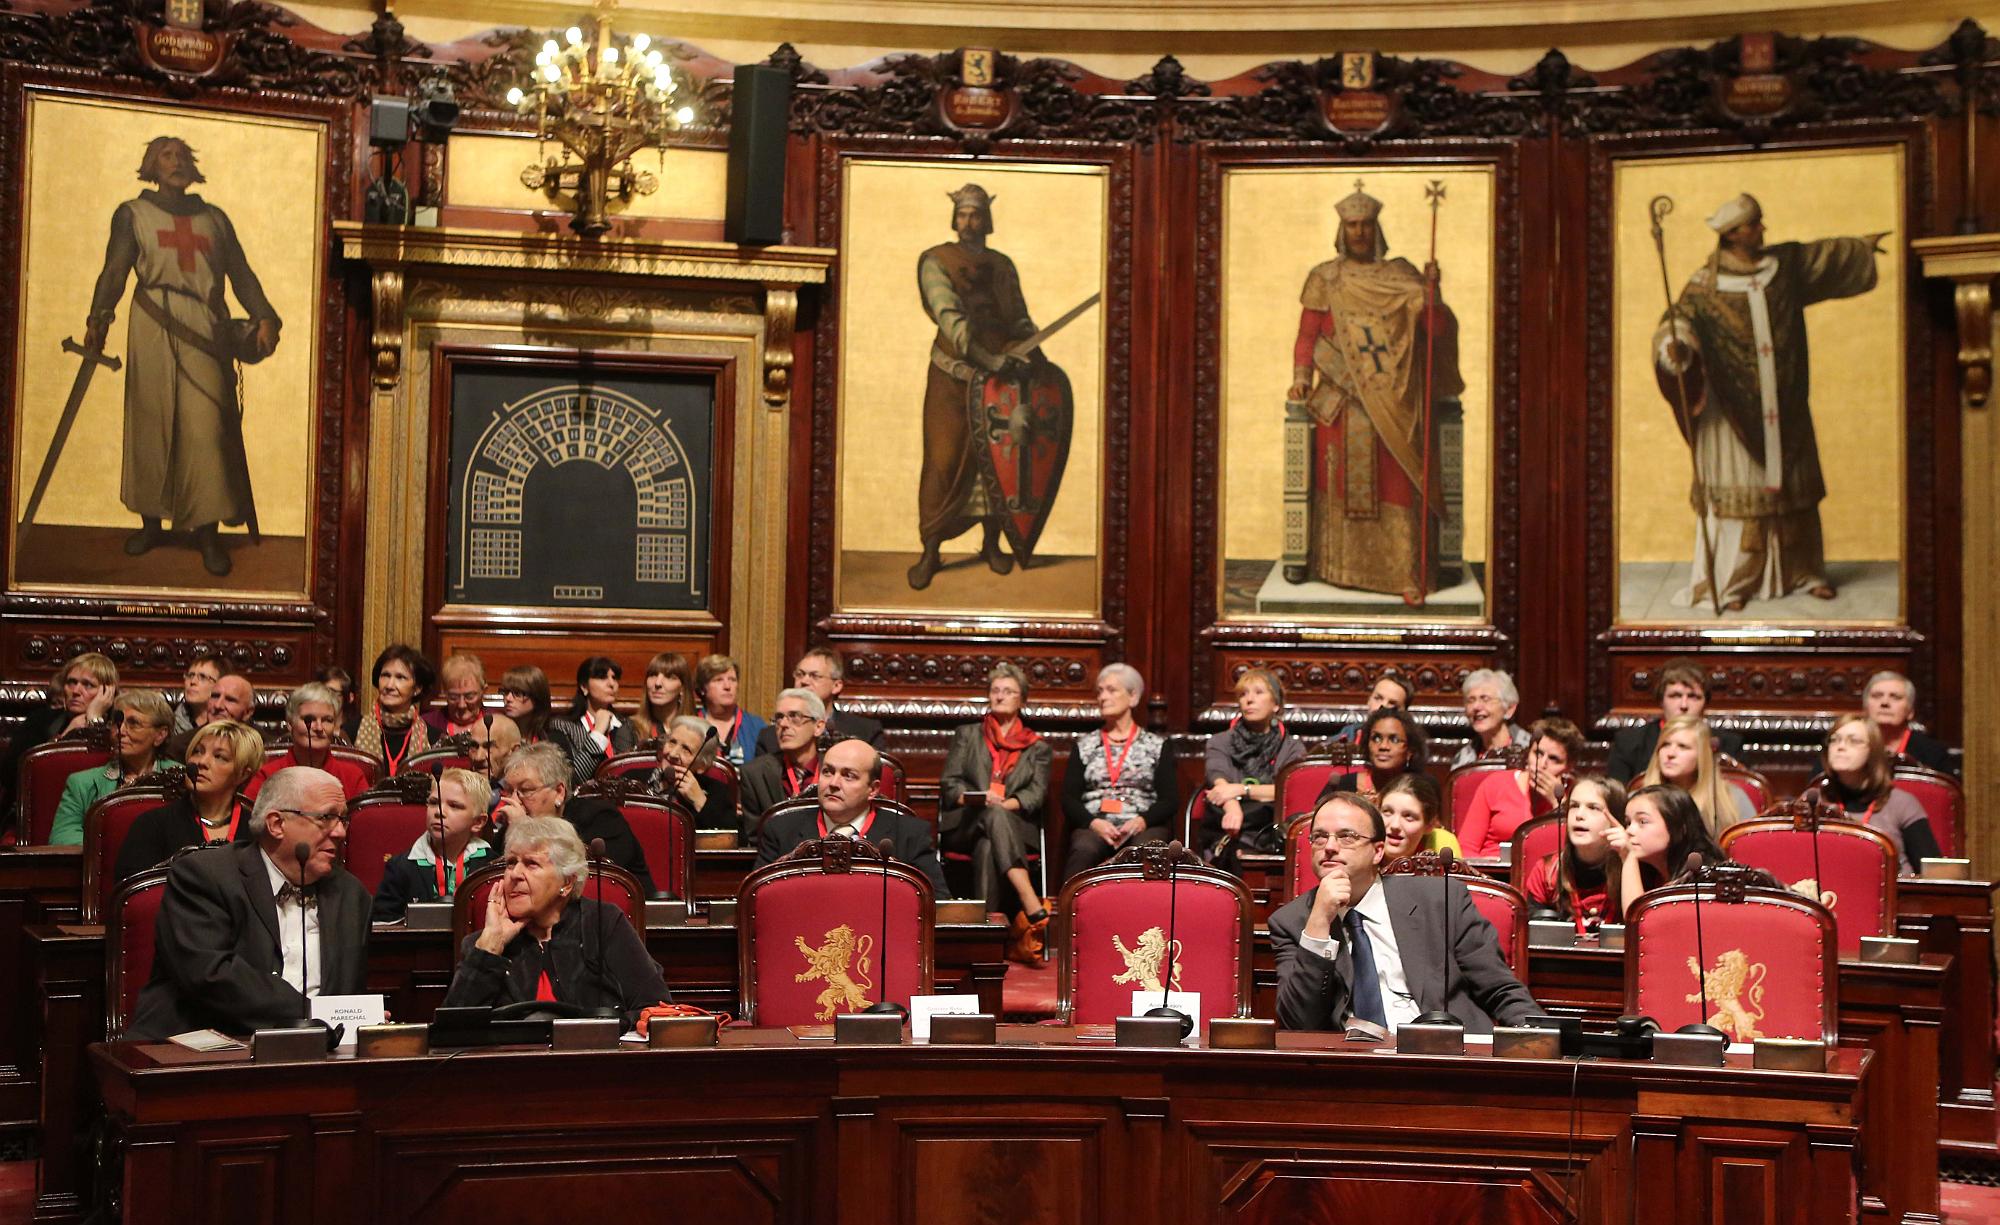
<point>1550,135</point>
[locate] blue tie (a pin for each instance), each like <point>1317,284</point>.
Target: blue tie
<point>1367,986</point>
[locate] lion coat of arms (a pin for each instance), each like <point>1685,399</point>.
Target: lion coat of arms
<point>1143,964</point>
<point>841,962</point>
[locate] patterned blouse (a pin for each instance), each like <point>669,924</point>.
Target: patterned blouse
<point>1135,766</point>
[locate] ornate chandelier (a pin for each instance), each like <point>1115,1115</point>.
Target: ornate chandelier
<point>604,99</point>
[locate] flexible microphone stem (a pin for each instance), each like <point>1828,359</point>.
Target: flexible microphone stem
<point>1443,1015</point>
<point>303,853</point>
<point>888,1002</point>
<point>1174,852</point>
<point>1700,1024</point>
<point>1819,882</point>
<point>595,917</point>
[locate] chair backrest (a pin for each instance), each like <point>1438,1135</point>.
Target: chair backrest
<point>1534,840</point>
<point>1192,814</point>
<point>895,780</point>
<point>724,774</point>
<point>38,788</point>
<point>1463,783</point>
<point>618,765</point>
<point>105,827</point>
<point>810,940</point>
<point>129,925</point>
<point>1300,783</point>
<point>435,761</point>
<point>664,828</point>
<point>1499,904</point>
<point>1772,959</point>
<point>1299,875</point>
<point>1753,782</point>
<point>369,764</point>
<point>1943,800</point>
<point>1112,926</point>
<point>383,823</point>
<point>607,882</point>
<point>1852,869</point>
<point>882,804</point>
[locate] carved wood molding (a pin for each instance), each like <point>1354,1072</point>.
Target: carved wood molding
<point>1971,262</point>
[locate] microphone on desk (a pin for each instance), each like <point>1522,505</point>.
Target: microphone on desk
<point>303,853</point>
<point>1699,1026</point>
<point>593,918</point>
<point>888,1003</point>
<point>1814,799</point>
<point>1443,1016</point>
<point>1174,852</point>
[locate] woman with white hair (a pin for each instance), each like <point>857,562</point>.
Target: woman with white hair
<point>1490,702</point>
<point>542,939</point>
<point>1119,787</point>
<point>687,751</point>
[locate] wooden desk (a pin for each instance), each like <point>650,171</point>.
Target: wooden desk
<point>1956,917</point>
<point>37,884</point>
<point>1041,1128</point>
<point>1895,1011</point>
<point>413,969</point>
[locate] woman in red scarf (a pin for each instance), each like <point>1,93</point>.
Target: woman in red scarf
<point>995,782</point>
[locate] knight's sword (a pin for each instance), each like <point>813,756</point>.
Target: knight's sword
<point>1033,342</point>
<point>92,359</point>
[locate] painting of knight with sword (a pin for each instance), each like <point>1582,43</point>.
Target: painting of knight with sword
<point>183,457</point>
<point>998,415</point>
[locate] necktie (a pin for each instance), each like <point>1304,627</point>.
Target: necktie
<point>289,892</point>
<point>1367,994</point>
<point>844,831</point>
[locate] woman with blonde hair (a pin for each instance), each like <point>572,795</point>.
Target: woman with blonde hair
<point>1242,764</point>
<point>141,721</point>
<point>221,757</point>
<point>80,694</point>
<point>1685,758</point>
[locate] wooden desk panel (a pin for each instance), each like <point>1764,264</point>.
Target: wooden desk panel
<point>37,884</point>
<point>1041,1128</point>
<point>1956,917</point>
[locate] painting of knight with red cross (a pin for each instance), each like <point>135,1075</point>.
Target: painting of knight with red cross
<point>185,474</point>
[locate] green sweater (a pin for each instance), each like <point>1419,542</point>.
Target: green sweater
<point>80,791</point>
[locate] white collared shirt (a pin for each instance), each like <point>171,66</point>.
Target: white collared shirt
<point>1397,1003</point>
<point>306,978</point>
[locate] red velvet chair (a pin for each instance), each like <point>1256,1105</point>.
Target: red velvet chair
<point>1111,931</point>
<point>105,827</point>
<point>895,781</point>
<point>1772,958</point>
<point>369,764</point>
<point>1463,783</point>
<point>383,822</point>
<point>723,774</point>
<point>1853,867</point>
<point>1498,903</point>
<point>44,769</point>
<point>1534,841</point>
<point>607,882</point>
<point>1943,799</point>
<point>1753,782</point>
<point>663,827</point>
<point>1300,783</point>
<point>1298,853</point>
<point>619,765</point>
<point>810,939</point>
<point>437,759</point>
<point>128,945</point>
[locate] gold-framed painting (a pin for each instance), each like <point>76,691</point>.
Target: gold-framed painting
<point>1356,392</point>
<point>1760,395</point>
<point>971,396</point>
<point>167,371</point>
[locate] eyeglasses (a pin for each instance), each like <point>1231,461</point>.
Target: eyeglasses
<point>801,674</point>
<point>1345,837</point>
<point>1849,741</point>
<point>522,793</point>
<point>793,717</point>
<point>197,675</point>
<point>325,820</point>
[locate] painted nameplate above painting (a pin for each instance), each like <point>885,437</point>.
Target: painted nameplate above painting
<point>165,376</point>
<point>576,490</point>
<point>1759,424</point>
<point>971,401</point>
<point>1356,393</point>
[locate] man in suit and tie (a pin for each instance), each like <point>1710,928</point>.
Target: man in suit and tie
<point>1370,947</point>
<point>850,776</point>
<point>246,932</point>
<point>792,771</point>
<point>821,671</point>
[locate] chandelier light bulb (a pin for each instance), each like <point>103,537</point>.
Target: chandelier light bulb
<point>552,74</point>
<point>640,42</point>
<point>514,96</point>
<point>611,55</point>
<point>574,36</point>
<point>549,48</point>
<point>684,115</point>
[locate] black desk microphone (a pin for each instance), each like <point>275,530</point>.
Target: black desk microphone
<point>1443,1016</point>
<point>887,1005</point>
<point>1167,970</point>
<point>1699,1025</point>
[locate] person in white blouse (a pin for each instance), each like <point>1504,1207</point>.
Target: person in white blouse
<point>1373,948</point>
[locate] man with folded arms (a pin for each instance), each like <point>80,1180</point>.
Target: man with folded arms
<point>850,776</point>
<point>1372,948</point>
<point>246,932</point>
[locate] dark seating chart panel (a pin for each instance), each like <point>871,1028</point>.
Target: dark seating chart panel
<point>574,490</point>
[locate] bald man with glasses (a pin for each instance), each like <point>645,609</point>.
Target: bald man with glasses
<point>247,932</point>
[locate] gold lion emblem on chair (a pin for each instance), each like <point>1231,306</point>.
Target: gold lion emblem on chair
<point>841,958</point>
<point>1734,978</point>
<point>1143,963</point>
<point>1809,888</point>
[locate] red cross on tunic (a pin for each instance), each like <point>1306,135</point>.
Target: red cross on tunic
<point>184,241</point>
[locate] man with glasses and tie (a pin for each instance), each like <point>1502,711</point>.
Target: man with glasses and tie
<point>537,785</point>
<point>821,671</point>
<point>246,931</point>
<point>768,778</point>
<point>1372,948</point>
<point>850,775</point>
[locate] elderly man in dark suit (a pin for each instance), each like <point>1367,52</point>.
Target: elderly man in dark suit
<point>1366,946</point>
<point>791,771</point>
<point>850,776</point>
<point>246,931</point>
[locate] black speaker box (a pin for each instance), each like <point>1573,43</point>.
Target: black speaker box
<point>756,204</point>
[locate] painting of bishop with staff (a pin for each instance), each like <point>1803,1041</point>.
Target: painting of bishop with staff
<point>1731,359</point>
<point>1375,353</point>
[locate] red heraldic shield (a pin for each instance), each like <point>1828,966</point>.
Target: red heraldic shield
<point>1021,427</point>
